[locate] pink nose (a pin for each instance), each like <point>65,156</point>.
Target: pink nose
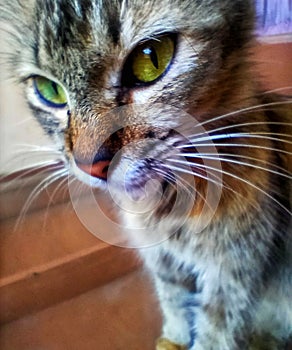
<point>98,169</point>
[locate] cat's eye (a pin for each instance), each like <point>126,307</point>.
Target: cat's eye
<point>50,92</point>
<point>149,60</point>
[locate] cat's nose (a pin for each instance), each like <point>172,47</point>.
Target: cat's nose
<point>98,169</point>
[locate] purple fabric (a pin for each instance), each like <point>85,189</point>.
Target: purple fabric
<point>274,17</point>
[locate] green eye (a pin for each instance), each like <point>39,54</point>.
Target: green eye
<point>50,92</point>
<point>151,59</point>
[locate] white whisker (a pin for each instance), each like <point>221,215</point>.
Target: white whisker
<point>182,182</point>
<point>192,172</point>
<point>227,160</point>
<point>40,168</point>
<point>37,190</point>
<point>220,184</point>
<point>38,148</point>
<point>62,183</point>
<point>234,145</point>
<point>246,110</point>
<point>254,205</point>
<point>227,127</point>
<point>238,135</point>
<point>237,178</point>
<point>51,196</point>
<point>277,90</point>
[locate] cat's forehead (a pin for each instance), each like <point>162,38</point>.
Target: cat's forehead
<point>99,29</point>
<point>103,28</point>
<point>103,22</point>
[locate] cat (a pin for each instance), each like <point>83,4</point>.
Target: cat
<point>159,101</point>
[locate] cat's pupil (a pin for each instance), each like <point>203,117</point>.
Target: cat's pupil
<point>55,88</point>
<point>150,51</point>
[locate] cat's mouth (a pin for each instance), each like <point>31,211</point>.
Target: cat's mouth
<point>125,164</point>
<point>133,176</point>
<point>136,165</point>
<point>154,174</point>
<point>141,184</point>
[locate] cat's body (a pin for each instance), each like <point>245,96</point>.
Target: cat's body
<point>222,263</point>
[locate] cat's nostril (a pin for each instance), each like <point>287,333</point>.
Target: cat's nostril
<point>98,169</point>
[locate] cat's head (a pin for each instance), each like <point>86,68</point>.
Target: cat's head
<point>125,85</point>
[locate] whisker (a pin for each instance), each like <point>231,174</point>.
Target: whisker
<point>7,180</point>
<point>71,180</point>
<point>192,172</point>
<point>36,192</point>
<point>22,122</point>
<point>182,182</point>
<point>241,135</point>
<point>240,179</point>
<point>39,148</point>
<point>227,160</point>
<point>51,196</point>
<point>254,205</point>
<point>271,133</point>
<point>165,174</point>
<point>64,188</point>
<point>246,110</point>
<point>173,178</point>
<point>220,184</point>
<point>276,90</point>
<point>61,184</point>
<point>227,127</point>
<point>259,136</point>
<point>39,157</point>
<point>234,145</point>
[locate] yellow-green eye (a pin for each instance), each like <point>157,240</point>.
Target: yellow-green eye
<point>50,92</point>
<point>150,60</point>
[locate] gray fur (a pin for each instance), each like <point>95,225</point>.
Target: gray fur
<point>227,286</point>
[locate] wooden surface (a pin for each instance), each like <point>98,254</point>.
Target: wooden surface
<point>273,62</point>
<point>123,315</point>
<point>120,316</point>
<point>50,256</point>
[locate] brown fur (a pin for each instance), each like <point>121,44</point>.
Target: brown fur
<point>219,221</point>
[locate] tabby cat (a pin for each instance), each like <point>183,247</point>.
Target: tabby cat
<point>158,100</point>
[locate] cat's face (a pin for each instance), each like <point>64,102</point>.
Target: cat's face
<point>115,82</point>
